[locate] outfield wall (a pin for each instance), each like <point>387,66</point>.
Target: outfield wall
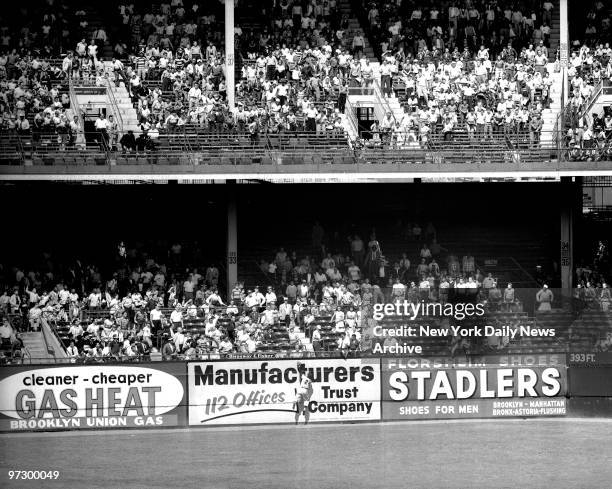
<point>262,391</point>
<point>590,375</point>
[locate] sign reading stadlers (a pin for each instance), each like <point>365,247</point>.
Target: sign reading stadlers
<point>100,396</point>
<point>520,388</point>
<point>264,391</point>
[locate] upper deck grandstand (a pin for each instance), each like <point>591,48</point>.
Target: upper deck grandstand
<point>313,82</point>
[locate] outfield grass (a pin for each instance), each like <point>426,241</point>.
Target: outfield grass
<point>537,454</point>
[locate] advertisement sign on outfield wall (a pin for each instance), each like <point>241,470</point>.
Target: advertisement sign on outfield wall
<point>496,388</point>
<point>475,361</point>
<point>475,408</point>
<point>100,396</point>
<point>264,391</point>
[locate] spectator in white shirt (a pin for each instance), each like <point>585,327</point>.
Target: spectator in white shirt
<point>270,296</point>
<point>95,299</point>
<point>176,317</point>
<point>72,352</point>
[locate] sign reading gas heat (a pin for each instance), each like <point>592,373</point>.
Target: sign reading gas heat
<point>265,391</point>
<point>517,388</point>
<point>101,396</point>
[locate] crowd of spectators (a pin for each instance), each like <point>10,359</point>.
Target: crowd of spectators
<point>142,307</point>
<point>477,69</point>
<point>297,77</point>
<point>598,25</point>
<point>46,29</point>
<point>363,276</point>
<point>174,45</point>
<point>445,93</point>
<point>11,344</point>
<point>588,136</point>
<point>591,272</point>
<point>193,26</point>
<point>297,88</point>
<point>190,92</point>
<point>293,76</point>
<point>179,45</point>
<point>430,273</point>
<point>37,55</point>
<point>156,321</point>
<point>139,313</point>
<point>34,100</point>
<point>412,26</point>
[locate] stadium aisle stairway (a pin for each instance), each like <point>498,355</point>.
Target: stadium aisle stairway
<point>354,25</point>
<point>549,116</point>
<point>304,340</point>
<point>125,105</point>
<point>96,20</point>
<point>35,344</point>
<point>555,31</point>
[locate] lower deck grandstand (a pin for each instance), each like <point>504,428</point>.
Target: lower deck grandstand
<point>312,272</point>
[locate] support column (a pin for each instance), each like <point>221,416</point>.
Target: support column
<point>230,84</point>
<point>564,47</point>
<point>232,241</point>
<point>567,235</point>
<point>567,221</point>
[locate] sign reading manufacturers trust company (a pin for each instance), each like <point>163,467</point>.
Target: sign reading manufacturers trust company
<point>265,391</point>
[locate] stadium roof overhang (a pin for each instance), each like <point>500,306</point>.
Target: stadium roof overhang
<point>315,173</point>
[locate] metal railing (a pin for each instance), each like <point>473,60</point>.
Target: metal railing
<point>74,105</point>
<point>381,100</point>
<point>351,116</point>
<point>570,113</point>
<point>157,356</point>
<point>114,106</point>
<point>184,148</point>
<point>597,91</point>
<point>47,341</point>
